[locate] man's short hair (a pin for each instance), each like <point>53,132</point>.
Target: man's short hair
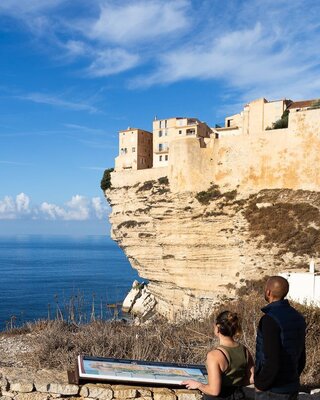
<point>278,286</point>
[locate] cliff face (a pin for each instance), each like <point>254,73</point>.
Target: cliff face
<point>197,248</point>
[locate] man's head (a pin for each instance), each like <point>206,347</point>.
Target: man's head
<point>276,289</point>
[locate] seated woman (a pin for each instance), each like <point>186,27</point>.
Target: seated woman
<point>230,366</point>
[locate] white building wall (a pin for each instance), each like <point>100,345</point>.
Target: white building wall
<point>304,287</point>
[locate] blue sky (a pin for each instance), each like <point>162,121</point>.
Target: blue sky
<point>74,72</point>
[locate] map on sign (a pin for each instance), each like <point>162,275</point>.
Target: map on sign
<point>139,371</point>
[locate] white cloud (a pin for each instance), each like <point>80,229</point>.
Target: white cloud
<point>23,203</point>
<point>112,61</point>
<point>7,208</point>
<point>79,208</point>
<point>99,207</point>
<point>85,129</point>
<point>254,48</point>
<point>58,101</point>
<point>261,60</point>
<point>126,22</point>
<point>10,208</point>
<point>75,48</point>
<point>12,163</point>
<point>17,8</point>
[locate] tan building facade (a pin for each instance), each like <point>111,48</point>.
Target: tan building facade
<point>255,118</point>
<point>135,150</point>
<point>166,130</point>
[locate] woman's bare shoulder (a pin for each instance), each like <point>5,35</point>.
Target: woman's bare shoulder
<point>215,355</point>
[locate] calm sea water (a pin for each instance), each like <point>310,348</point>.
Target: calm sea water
<point>41,274</point>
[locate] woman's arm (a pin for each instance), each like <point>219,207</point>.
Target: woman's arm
<point>213,386</point>
<point>250,369</point>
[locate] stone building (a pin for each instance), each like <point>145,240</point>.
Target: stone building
<point>166,130</point>
<point>135,150</point>
<point>256,117</point>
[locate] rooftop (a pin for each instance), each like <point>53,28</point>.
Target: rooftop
<point>301,104</point>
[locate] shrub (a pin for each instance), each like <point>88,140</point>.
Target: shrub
<point>145,235</point>
<point>205,197</point>
<point>163,180</point>
<point>147,185</point>
<point>106,179</point>
<point>128,224</point>
<point>230,195</point>
<point>282,122</point>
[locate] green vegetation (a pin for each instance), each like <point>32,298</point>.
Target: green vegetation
<point>280,123</point>
<point>205,197</point>
<point>230,195</point>
<point>147,185</point>
<point>213,193</point>
<point>130,224</point>
<point>106,179</point>
<point>163,180</point>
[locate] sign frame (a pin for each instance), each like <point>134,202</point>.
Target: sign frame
<point>126,371</point>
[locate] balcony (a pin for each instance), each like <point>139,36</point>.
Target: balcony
<point>162,150</point>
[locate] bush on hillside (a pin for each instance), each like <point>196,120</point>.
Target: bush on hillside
<point>106,179</point>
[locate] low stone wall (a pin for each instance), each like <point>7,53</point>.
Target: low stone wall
<point>25,384</point>
<point>132,177</point>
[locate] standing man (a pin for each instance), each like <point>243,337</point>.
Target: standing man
<point>280,346</point>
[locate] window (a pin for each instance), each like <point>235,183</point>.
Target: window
<point>160,124</point>
<point>160,133</point>
<point>133,149</point>
<point>165,123</point>
<point>124,150</point>
<point>166,157</point>
<point>180,132</point>
<point>160,147</point>
<point>160,158</point>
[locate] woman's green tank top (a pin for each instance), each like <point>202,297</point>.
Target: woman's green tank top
<point>236,372</point>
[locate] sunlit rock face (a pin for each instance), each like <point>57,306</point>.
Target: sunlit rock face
<point>196,249</point>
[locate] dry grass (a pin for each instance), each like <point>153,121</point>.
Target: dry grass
<point>57,343</point>
<point>293,227</point>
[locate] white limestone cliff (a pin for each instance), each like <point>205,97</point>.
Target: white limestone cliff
<point>195,254</point>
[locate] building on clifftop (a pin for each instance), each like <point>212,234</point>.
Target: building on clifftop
<point>256,117</point>
<point>135,150</point>
<point>165,130</point>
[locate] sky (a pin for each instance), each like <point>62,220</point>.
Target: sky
<point>75,72</point>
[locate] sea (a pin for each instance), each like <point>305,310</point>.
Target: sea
<point>77,278</point>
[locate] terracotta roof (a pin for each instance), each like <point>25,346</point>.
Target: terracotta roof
<point>301,104</point>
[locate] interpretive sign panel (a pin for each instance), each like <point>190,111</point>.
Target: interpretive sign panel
<point>110,369</point>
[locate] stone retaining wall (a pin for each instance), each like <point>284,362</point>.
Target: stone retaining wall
<point>24,384</point>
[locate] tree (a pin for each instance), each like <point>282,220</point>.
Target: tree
<point>106,179</point>
<point>282,122</point>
